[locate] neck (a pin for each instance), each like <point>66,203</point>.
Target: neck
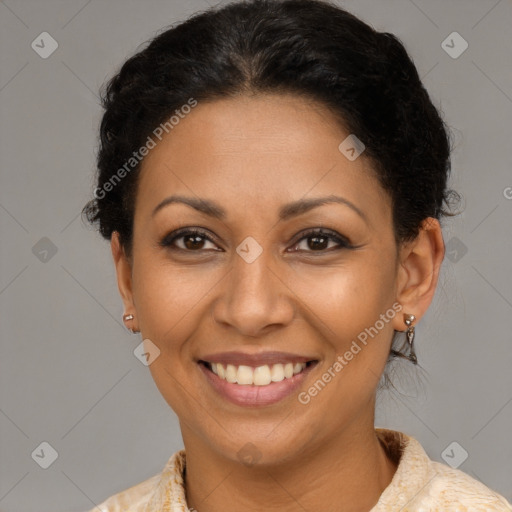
<point>348,473</point>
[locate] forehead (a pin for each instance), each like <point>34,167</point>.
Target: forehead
<point>263,149</point>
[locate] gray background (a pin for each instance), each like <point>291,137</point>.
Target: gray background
<point>68,375</point>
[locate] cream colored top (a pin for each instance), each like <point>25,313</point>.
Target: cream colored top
<point>418,485</point>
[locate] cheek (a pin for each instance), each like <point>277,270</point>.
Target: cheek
<point>168,296</point>
<point>347,299</point>
<point>170,302</point>
<point>352,312</point>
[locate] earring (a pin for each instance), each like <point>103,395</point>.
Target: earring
<point>408,320</point>
<point>127,318</point>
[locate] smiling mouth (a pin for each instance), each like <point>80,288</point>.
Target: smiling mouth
<point>256,376</point>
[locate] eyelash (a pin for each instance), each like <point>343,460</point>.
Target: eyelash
<point>169,239</point>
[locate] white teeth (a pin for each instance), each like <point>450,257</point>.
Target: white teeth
<point>260,376</point>
<point>230,373</point>
<point>297,368</point>
<point>277,373</point>
<point>244,375</point>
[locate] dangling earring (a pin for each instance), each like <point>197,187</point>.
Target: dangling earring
<point>409,319</point>
<point>128,318</point>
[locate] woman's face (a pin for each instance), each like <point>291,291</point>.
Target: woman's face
<point>254,289</point>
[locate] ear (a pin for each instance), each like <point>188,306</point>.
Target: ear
<point>418,273</point>
<point>124,273</point>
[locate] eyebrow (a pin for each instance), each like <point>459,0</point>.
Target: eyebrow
<point>287,211</point>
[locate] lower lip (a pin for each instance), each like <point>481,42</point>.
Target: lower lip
<point>251,395</point>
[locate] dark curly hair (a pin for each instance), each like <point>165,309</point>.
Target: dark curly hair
<point>309,48</point>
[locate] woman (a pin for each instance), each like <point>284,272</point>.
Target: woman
<point>272,176</point>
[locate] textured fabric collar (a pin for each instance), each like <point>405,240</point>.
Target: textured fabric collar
<point>169,495</point>
<point>414,471</point>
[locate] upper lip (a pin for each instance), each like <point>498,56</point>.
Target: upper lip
<point>261,359</point>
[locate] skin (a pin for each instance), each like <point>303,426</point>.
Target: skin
<point>251,155</point>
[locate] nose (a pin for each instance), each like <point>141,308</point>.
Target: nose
<point>254,298</point>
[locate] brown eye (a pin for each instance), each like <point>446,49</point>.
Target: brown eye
<point>192,242</point>
<point>318,240</point>
<point>189,240</point>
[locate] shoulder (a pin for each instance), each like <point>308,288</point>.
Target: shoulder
<point>148,495</point>
<point>456,489</point>
<point>423,485</point>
